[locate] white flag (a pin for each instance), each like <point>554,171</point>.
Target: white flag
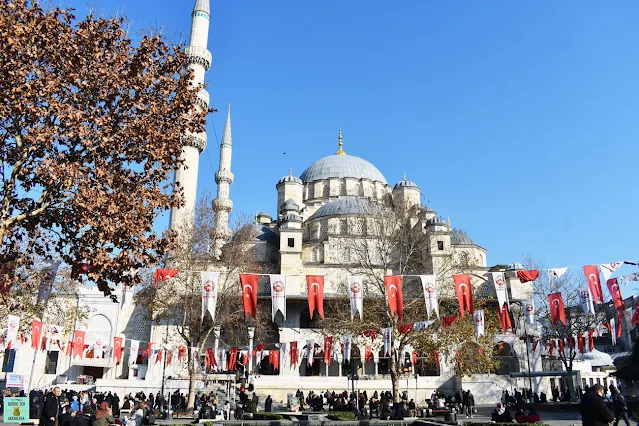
<point>310,352</point>
<point>219,359</point>
<point>258,361</point>
<point>197,363</point>
<point>49,271</point>
<point>284,354</point>
<point>478,316</point>
<point>586,300</point>
<point>429,285</point>
<point>355,290</point>
<point>386,332</point>
<point>529,310</point>
<point>13,325</point>
<point>133,352</point>
<point>210,282</point>
<point>608,268</point>
<point>347,340</point>
<point>613,331</point>
<point>556,272</point>
<point>631,277</point>
<point>500,288</point>
<point>278,295</point>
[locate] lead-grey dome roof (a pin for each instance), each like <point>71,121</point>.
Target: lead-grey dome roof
<point>437,220</point>
<point>405,184</point>
<point>457,236</point>
<point>347,206</point>
<point>290,205</point>
<point>289,178</point>
<point>342,166</point>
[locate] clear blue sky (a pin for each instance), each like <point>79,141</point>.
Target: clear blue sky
<point>519,120</point>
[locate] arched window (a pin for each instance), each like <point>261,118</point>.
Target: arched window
<point>311,191</point>
<point>327,190</point>
<point>343,226</point>
<point>315,255</point>
<point>324,230</point>
<point>139,325</point>
<point>356,189</point>
<point>342,188</point>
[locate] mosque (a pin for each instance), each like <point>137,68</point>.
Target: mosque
<point>327,203</point>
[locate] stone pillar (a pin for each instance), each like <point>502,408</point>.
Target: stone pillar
<point>376,368</point>
<point>251,333</point>
<point>339,373</point>
<point>326,368</point>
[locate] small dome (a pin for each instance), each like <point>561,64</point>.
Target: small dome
<point>263,214</point>
<point>347,206</point>
<point>290,205</point>
<point>290,178</point>
<point>598,358</point>
<point>515,265</point>
<point>437,220</point>
<point>257,232</point>
<point>342,166</point>
<point>459,237</point>
<point>405,184</point>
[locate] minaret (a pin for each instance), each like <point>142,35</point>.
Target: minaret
<point>224,178</point>
<point>199,61</point>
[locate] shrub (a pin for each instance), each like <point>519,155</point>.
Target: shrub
<point>341,415</point>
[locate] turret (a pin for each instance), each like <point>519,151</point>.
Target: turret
<point>406,193</point>
<point>289,188</point>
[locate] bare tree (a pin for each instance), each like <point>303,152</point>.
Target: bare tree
<point>176,303</point>
<point>391,240</point>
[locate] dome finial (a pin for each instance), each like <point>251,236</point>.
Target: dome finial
<point>340,151</point>
<point>290,172</point>
<point>448,223</point>
<point>404,177</point>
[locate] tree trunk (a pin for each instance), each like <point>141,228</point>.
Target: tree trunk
<point>192,390</point>
<point>394,370</point>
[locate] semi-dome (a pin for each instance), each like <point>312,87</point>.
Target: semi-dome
<point>347,206</point>
<point>342,166</point>
<point>459,237</point>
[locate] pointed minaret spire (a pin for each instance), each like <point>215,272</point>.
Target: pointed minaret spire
<point>198,60</point>
<point>224,178</point>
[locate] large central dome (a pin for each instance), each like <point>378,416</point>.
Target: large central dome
<point>341,166</point>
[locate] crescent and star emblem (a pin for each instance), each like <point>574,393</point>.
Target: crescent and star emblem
<point>313,286</point>
<point>393,286</point>
<point>555,302</point>
<point>250,290</point>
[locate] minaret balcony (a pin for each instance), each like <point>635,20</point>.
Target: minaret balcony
<point>202,99</point>
<point>224,176</point>
<point>196,141</point>
<point>223,204</point>
<point>198,55</point>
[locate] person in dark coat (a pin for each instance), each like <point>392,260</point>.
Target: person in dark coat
<point>268,404</point>
<point>594,411</point>
<point>116,405</point>
<point>35,409</point>
<point>51,408</point>
<point>501,414</point>
<point>619,406</point>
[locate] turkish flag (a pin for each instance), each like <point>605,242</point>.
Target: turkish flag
<point>561,346</point>
<point>581,343</point>
<point>169,357</point>
<point>315,286</point>
<point>164,275</point>
<point>448,321</point>
<point>233,359</point>
<point>147,352</point>
<point>591,340</point>
<point>117,349</point>
<point>594,283</point>
<point>209,359</point>
<point>249,294</point>
<point>464,293</point>
<point>414,357</point>
<point>504,319</point>
<point>615,292</point>
<point>295,355</point>
<point>78,343</point>
<point>635,317</point>
<point>181,353</point>
<point>367,353</point>
<point>274,359</point>
<point>328,342</point>
<point>158,358</point>
<point>557,312</point>
<point>36,334</point>
<point>525,276</point>
<point>393,285</point>
<point>619,322</point>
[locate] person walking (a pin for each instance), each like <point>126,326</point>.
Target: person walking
<point>594,411</point>
<point>51,409</point>
<point>619,406</point>
<point>268,404</point>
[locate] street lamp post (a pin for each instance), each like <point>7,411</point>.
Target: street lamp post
<point>517,310</point>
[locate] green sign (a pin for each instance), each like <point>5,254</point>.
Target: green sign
<point>16,410</point>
